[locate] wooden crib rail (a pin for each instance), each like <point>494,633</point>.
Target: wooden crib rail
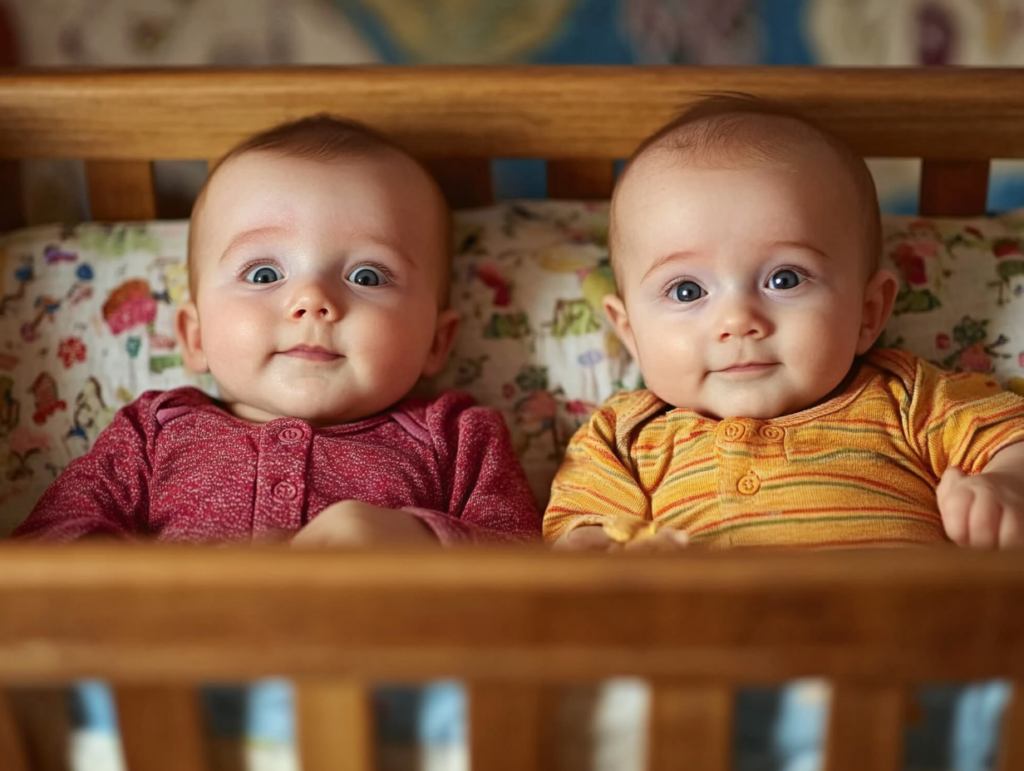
<point>458,119</point>
<point>162,613</point>
<point>157,620</point>
<point>488,112</point>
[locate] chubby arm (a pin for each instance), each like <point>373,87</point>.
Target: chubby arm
<point>102,493</point>
<point>488,497</point>
<point>482,495</point>
<point>596,491</point>
<point>986,510</point>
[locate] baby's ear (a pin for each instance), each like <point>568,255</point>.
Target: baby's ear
<point>615,310</point>
<point>444,339</point>
<point>879,297</point>
<point>186,325</point>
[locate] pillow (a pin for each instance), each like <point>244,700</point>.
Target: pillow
<point>86,324</point>
<point>528,279</point>
<point>961,298</point>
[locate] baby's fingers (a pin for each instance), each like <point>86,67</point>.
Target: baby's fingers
<point>1011,530</point>
<point>955,499</point>
<point>665,540</point>
<point>586,538</point>
<point>984,521</point>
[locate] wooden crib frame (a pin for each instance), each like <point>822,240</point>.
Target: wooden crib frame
<point>515,625</point>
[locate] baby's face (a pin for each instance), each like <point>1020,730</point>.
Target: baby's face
<point>318,285</point>
<point>742,288</point>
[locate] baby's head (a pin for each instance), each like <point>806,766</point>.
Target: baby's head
<point>319,269</point>
<point>745,243</point>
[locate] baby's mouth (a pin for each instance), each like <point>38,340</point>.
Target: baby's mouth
<point>311,353</point>
<point>750,367</point>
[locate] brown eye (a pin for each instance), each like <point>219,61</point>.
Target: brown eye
<point>687,291</point>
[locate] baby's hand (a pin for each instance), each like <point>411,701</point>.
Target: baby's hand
<point>616,536</point>
<point>982,510</point>
<point>354,523</point>
<point>586,538</point>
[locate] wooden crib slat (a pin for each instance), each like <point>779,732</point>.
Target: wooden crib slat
<point>588,180</point>
<point>690,727</point>
<point>120,190</point>
<point>512,727</point>
<point>953,188</point>
<point>334,722</point>
<point>161,728</point>
<point>466,182</point>
<point>43,720</point>
<point>865,727</point>
<point>13,751</point>
<point>1011,748</point>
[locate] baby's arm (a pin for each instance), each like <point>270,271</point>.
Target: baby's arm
<point>354,523</point>
<point>986,510</point>
<point>484,495</point>
<point>104,492</point>
<point>596,494</point>
<point>488,497</point>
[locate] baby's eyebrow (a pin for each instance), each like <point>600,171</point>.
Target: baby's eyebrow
<point>673,257</point>
<point>260,234</point>
<point>248,236</point>
<point>799,245</point>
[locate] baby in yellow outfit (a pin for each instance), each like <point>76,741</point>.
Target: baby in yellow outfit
<point>745,243</point>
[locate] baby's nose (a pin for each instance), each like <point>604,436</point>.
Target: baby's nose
<point>742,319</point>
<point>314,302</point>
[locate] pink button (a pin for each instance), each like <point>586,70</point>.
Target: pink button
<point>290,435</point>
<point>285,491</point>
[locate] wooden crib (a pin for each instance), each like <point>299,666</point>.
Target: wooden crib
<point>515,625</point>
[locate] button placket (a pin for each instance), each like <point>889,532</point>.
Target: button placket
<point>281,476</point>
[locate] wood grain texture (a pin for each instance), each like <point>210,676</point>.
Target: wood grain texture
<point>44,723</point>
<point>512,727</point>
<point>334,722</point>
<point>866,725</point>
<point>120,191</point>
<point>691,727</point>
<point>586,180</point>
<point>953,188</point>
<point>1011,748</point>
<point>13,752</point>
<point>160,613</point>
<point>161,728</point>
<point>487,112</point>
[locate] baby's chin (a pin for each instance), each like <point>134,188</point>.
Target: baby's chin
<point>752,409</point>
<point>318,413</point>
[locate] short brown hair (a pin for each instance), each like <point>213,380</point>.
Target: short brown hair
<point>717,130</point>
<point>323,138</point>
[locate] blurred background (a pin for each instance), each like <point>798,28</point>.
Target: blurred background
<point>696,32</point>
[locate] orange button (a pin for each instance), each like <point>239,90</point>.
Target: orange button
<point>772,433</point>
<point>749,484</point>
<point>733,431</point>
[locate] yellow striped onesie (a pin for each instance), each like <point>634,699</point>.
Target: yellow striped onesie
<point>857,470</point>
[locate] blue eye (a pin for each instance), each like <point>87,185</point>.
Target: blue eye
<point>365,276</point>
<point>264,274</point>
<point>687,292</point>
<point>785,279</point>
